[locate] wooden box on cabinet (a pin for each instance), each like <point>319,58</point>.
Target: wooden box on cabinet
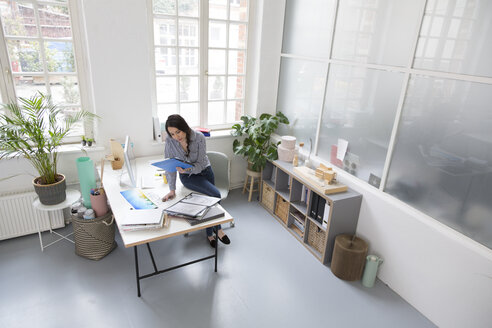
<point>289,198</point>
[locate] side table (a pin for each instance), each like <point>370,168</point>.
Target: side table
<point>72,197</point>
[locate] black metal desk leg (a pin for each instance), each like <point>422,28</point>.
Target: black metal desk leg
<point>216,246</point>
<point>152,258</point>
<point>136,270</point>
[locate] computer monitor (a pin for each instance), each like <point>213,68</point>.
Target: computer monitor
<point>129,159</point>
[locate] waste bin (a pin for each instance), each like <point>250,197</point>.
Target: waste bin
<point>348,257</point>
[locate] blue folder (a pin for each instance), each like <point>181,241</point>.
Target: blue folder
<point>170,164</point>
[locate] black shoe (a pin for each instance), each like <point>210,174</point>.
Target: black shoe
<point>212,242</point>
<point>225,240</point>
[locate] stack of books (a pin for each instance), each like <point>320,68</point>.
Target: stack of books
<point>204,131</point>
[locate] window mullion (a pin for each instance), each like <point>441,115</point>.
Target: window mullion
<point>226,77</point>
<point>203,25</point>
<point>7,89</point>
<point>178,102</point>
<point>42,51</point>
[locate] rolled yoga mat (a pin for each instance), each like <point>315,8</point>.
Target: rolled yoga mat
<point>87,178</point>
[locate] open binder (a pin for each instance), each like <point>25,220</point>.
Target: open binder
<point>192,206</point>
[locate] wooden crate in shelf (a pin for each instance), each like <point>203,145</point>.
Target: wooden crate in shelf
<point>316,237</point>
<point>268,196</point>
<point>282,187</point>
<point>282,209</point>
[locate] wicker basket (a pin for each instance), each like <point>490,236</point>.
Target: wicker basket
<point>282,209</point>
<point>316,237</point>
<point>94,239</point>
<point>268,196</point>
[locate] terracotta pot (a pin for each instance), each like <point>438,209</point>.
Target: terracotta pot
<point>51,194</point>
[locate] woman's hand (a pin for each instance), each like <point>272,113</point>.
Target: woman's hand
<point>181,170</point>
<point>169,196</point>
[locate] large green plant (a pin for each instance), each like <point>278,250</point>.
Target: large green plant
<point>256,146</point>
<point>34,128</point>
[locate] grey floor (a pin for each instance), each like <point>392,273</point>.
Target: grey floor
<point>266,278</point>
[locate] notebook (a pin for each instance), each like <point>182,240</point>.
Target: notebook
<point>213,213</point>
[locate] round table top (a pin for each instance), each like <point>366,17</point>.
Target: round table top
<point>72,197</point>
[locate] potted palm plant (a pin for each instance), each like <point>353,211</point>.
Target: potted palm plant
<point>34,129</point>
<point>256,146</point>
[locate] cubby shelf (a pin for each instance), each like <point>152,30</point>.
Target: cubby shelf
<point>286,196</point>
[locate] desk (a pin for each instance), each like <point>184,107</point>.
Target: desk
<point>72,197</point>
<point>112,181</point>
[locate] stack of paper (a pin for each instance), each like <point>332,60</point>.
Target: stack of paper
<point>143,220</point>
<point>193,207</point>
<point>213,213</point>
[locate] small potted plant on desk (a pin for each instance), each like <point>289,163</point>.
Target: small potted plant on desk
<point>34,129</point>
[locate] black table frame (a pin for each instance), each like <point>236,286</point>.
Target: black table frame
<point>157,272</point>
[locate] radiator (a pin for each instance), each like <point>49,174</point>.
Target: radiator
<point>18,217</point>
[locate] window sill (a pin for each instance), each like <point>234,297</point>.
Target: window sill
<point>70,149</point>
<point>217,134</point>
<point>74,148</point>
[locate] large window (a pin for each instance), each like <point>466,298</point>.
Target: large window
<point>39,54</point>
<point>200,59</point>
<point>407,84</point>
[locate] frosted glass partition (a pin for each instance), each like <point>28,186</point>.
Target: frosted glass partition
<point>455,37</point>
<point>307,28</point>
<point>360,107</point>
<point>377,32</point>
<point>442,162</point>
<point>300,95</point>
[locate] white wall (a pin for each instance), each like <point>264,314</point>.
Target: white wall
<point>443,274</point>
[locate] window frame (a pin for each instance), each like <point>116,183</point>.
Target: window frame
<point>7,86</point>
<point>203,49</point>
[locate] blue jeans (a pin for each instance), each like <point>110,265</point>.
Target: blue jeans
<point>203,182</point>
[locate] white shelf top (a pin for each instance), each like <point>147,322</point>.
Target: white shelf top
<point>72,197</point>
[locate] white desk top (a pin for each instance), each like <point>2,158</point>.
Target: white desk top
<point>72,197</point>
<point>121,208</point>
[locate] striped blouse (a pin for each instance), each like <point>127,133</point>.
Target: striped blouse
<point>197,155</point>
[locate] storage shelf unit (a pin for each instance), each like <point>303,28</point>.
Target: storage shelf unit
<point>287,197</point>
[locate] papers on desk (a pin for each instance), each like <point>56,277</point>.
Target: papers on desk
<point>213,213</point>
<point>186,209</point>
<point>142,220</point>
<point>195,207</point>
<point>200,199</point>
<point>137,199</point>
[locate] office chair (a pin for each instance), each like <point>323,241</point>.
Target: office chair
<point>222,171</point>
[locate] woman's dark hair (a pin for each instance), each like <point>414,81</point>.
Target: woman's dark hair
<point>178,122</point>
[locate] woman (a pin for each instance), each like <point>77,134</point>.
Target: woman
<point>188,145</point>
